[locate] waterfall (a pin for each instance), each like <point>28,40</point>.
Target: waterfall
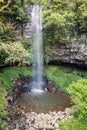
<point>37,49</point>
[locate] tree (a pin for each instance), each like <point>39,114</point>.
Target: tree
<point>63,19</point>
<point>81,16</point>
<point>58,16</point>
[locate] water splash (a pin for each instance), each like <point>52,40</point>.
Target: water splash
<point>37,49</point>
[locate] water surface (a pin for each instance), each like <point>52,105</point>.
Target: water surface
<point>44,102</point>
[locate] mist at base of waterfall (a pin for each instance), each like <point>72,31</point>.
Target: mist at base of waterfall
<point>38,87</point>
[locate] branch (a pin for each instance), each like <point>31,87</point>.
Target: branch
<point>9,1</point>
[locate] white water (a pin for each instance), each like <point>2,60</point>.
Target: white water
<point>37,49</point>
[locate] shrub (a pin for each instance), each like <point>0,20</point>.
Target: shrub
<point>72,124</point>
<point>3,112</point>
<point>78,91</point>
<point>61,78</point>
<point>8,73</point>
<point>16,53</point>
<point>3,56</point>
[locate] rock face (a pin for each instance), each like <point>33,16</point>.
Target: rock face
<point>27,30</point>
<point>24,31</point>
<point>72,53</point>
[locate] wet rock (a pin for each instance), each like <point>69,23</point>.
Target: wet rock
<point>10,100</point>
<point>24,84</point>
<point>51,87</point>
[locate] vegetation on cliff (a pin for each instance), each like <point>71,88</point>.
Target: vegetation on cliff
<point>64,21</point>
<point>12,18</point>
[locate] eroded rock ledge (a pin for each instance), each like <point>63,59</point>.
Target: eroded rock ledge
<point>72,53</point>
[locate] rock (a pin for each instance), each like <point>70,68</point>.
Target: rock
<point>68,111</point>
<point>33,121</point>
<point>72,53</point>
<point>31,128</point>
<point>10,100</point>
<point>56,125</point>
<point>23,84</point>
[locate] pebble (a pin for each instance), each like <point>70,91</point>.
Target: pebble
<point>34,121</point>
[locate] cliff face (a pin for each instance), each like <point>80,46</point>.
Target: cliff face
<point>73,53</point>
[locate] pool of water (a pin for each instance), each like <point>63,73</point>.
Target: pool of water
<point>44,102</point>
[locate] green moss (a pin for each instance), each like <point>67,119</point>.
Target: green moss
<point>58,74</point>
<point>11,72</point>
<point>61,77</point>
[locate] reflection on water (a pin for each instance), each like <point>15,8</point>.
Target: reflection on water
<point>44,102</point>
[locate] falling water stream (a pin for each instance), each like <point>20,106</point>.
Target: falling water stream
<point>37,49</point>
<point>38,99</point>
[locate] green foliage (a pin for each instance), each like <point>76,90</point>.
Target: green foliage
<point>49,36</point>
<point>59,75</point>
<point>7,31</point>
<point>17,12</point>
<point>3,56</point>
<point>55,73</point>
<point>81,15</point>
<point>11,72</point>
<point>47,53</point>
<point>72,124</point>
<point>4,5</point>
<point>3,112</point>
<point>6,27</point>
<point>16,53</point>
<point>78,91</point>
<point>61,17</point>
<point>12,13</point>
<point>27,44</point>
<point>14,9</point>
